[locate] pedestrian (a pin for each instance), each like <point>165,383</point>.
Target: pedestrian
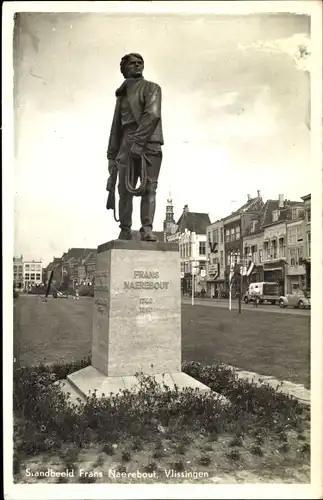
<point>256,297</point>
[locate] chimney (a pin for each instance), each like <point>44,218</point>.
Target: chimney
<point>259,194</point>
<point>281,200</point>
<point>185,209</point>
<point>249,197</point>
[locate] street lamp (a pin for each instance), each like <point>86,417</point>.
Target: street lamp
<point>193,274</point>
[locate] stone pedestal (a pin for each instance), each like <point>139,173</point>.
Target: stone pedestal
<point>137,319</point>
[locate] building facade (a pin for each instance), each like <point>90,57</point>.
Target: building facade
<point>32,274</point>
<point>274,254</point>
<point>18,273</point>
<point>190,234</point>
<point>192,252</point>
<point>307,240</point>
<point>253,251</point>
<point>236,226</point>
<point>278,267</point>
<point>215,261</point>
<point>295,271</point>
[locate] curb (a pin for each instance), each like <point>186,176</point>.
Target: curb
<point>297,391</point>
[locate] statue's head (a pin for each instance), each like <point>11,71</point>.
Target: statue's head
<point>132,65</point>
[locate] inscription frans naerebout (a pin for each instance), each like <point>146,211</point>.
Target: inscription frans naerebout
<point>147,279</point>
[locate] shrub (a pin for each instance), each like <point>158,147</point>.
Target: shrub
<point>108,449</point>
<point>257,450</point>
<point>137,444</point>
<point>180,449</point>
<point>272,408</point>
<point>234,455</point>
<point>51,418</point>
<point>237,441</point>
<point>306,449</point>
<point>205,460</point>
<point>150,467</point>
<point>158,454</point>
<point>178,466</point>
<point>285,447</point>
<point>126,456</point>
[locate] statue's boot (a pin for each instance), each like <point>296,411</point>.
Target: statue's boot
<point>147,212</point>
<point>125,234</point>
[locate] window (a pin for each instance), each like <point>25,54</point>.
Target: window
<point>228,259</point>
<point>221,233</point>
<point>299,254</point>
<point>275,215</point>
<point>32,267</point>
<point>260,255</point>
<point>297,212</point>
<point>214,260</point>
<point>292,256</point>
<point>27,266</point>
<point>232,234</point>
<point>214,236</point>
<point>308,216</point>
<point>227,235</point>
<point>221,258</point>
<point>253,226</point>
<point>26,276</point>
<point>281,248</point>
<point>209,236</point>
<point>38,276</point>
<point>238,233</point>
<point>32,276</point>
<point>202,249</point>
<point>300,234</point>
<point>273,254</point>
<point>15,268</point>
<point>38,267</point>
<point>292,236</point>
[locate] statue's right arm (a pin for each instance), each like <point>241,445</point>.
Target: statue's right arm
<point>115,135</point>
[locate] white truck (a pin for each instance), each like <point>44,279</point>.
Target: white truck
<point>265,291</point>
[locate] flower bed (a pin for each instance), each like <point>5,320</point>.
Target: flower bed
<point>156,430</point>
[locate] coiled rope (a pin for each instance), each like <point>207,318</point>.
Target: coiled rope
<point>130,180</point>
<point>130,176</point>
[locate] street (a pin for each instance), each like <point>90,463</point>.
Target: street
<point>224,303</point>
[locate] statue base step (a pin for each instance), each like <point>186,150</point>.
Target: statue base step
<point>89,380</point>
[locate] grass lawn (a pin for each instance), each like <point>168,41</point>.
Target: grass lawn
<point>267,343</point>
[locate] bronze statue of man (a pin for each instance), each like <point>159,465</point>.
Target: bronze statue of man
<point>136,131</point>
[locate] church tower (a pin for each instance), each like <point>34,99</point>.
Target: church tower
<point>169,221</point>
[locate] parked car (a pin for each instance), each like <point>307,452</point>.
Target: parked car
<point>299,300</point>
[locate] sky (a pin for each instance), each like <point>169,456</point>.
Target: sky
<point>235,116</point>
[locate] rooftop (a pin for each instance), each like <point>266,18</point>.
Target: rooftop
<point>193,221</point>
